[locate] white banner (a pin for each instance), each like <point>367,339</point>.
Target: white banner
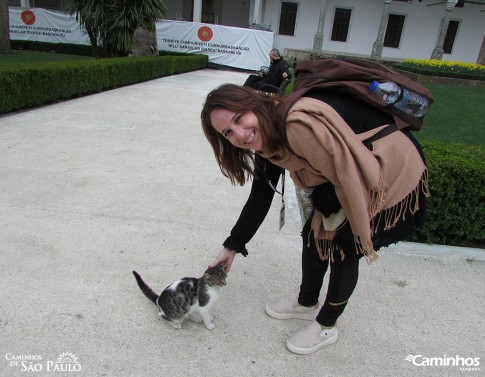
<point>225,45</point>
<point>42,25</point>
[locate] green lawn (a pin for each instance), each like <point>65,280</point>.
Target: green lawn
<point>457,115</point>
<point>20,56</point>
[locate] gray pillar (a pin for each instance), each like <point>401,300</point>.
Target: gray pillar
<point>438,50</point>
<point>481,55</point>
<point>197,17</point>
<point>379,43</point>
<point>258,11</point>
<point>318,39</point>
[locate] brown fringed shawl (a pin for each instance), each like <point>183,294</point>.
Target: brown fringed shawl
<point>371,186</point>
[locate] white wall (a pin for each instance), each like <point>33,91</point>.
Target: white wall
<point>420,33</point>
<point>419,36</point>
<point>362,35</point>
<point>470,34</point>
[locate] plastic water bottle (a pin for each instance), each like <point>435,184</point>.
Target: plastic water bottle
<point>404,100</point>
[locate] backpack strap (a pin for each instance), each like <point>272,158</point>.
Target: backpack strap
<point>379,135</point>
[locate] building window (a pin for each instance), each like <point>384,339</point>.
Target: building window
<point>450,36</point>
<point>288,18</point>
<point>207,16</point>
<point>394,31</point>
<point>341,23</point>
<point>47,4</point>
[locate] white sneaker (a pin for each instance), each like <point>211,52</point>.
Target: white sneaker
<point>289,308</point>
<point>311,338</point>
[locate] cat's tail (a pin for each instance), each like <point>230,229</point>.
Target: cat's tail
<point>152,296</point>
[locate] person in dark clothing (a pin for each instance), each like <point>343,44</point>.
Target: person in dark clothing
<point>277,72</point>
<point>362,198</point>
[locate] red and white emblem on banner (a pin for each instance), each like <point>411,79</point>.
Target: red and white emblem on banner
<point>28,17</point>
<point>205,33</point>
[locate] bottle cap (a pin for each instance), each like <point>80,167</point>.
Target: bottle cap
<point>373,86</point>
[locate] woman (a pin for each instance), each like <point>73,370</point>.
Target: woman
<point>365,196</point>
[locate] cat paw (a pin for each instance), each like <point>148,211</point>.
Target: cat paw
<point>210,326</point>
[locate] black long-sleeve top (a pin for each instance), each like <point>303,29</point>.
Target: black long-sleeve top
<point>255,210</point>
<point>358,115</point>
<point>274,76</point>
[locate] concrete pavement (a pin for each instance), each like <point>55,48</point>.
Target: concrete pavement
<point>95,187</point>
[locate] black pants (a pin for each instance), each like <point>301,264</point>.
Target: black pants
<point>343,279</point>
<point>255,82</point>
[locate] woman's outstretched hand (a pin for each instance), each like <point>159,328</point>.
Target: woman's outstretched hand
<point>225,256</point>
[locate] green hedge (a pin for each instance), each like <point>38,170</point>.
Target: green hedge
<point>27,85</point>
<point>430,72</point>
<point>69,48</point>
<point>60,48</point>
<point>457,204</point>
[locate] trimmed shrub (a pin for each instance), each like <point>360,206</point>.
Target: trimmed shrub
<point>469,71</point>
<point>60,48</point>
<point>457,204</point>
<point>27,85</point>
<point>69,48</point>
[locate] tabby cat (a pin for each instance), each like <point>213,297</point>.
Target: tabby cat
<point>188,297</point>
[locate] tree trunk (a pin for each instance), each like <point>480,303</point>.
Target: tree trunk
<point>145,42</point>
<point>4,27</point>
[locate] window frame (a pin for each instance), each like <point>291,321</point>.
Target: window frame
<point>296,4</point>
<point>446,41</point>
<point>347,31</point>
<point>387,35</point>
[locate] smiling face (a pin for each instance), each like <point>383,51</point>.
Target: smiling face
<point>242,130</point>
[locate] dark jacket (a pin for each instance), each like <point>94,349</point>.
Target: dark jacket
<point>274,76</point>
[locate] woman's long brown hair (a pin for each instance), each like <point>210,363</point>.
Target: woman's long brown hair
<point>235,163</point>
